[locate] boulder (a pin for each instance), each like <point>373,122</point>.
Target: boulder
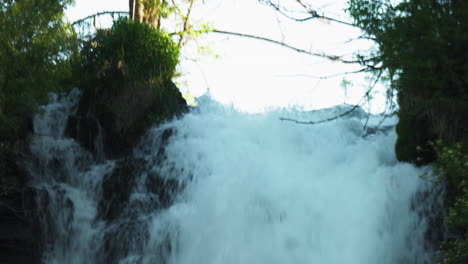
<point>112,116</point>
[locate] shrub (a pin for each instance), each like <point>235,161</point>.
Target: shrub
<point>452,168</point>
<point>139,52</point>
<point>35,48</point>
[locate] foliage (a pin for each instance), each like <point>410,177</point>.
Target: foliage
<point>137,50</point>
<point>34,59</point>
<point>158,8</point>
<point>422,44</point>
<point>452,167</point>
<point>125,73</point>
<point>173,16</point>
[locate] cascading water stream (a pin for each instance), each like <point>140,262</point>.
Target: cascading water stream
<point>220,186</point>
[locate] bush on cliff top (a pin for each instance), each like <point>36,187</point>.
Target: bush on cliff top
<point>139,52</point>
<point>422,45</point>
<point>125,74</point>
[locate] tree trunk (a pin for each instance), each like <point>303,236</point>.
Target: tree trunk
<point>139,13</point>
<point>136,10</point>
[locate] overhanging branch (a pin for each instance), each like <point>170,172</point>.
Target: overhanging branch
<point>322,55</point>
<point>321,121</point>
<point>366,95</point>
<point>330,76</point>
<point>112,13</point>
<point>312,14</point>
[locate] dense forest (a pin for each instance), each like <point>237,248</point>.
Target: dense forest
<point>420,51</point>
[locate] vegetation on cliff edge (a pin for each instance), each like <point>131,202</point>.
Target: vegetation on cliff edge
<point>422,47</point>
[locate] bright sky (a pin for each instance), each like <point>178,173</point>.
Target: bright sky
<point>253,75</point>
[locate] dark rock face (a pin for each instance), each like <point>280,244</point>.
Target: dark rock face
<point>19,230</point>
<point>117,187</point>
<point>116,109</point>
<point>414,133</point>
<point>85,130</point>
<point>429,113</point>
<point>126,215</point>
<point>433,215</point>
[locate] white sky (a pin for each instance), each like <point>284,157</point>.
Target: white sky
<point>253,75</point>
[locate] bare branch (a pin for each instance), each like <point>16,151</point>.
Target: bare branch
<point>112,13</point>
<point>389,111</point>
<point>322,55</point>
<point>332,75</point>
<point>312,13</point>
<point>321,121</point>
<point>185,27</point>
<point>366,95</point>
<point>284,12</point>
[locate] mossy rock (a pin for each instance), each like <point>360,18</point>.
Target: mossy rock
<point>424,121</point>
<point>113,123</point>
<point>126,81</point>
<point>413,140</point>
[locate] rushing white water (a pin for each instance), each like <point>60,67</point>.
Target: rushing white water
<point>255,190</point>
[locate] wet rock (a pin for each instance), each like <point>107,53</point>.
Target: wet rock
<point>165,189</point>
<point>85,130</point>
<point>117,187</point>
<point>112,117</point>
<point>19,229</point>
<point>153,194</point>
<point>132,195</point>
<point>123,237</point>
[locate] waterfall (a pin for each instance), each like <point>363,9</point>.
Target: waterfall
<point>221,186</point>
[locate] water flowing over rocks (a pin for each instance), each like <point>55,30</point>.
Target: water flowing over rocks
<point>91,210</point>
<point>221,186</point>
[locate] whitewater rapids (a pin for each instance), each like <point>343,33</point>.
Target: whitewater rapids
<point>266,191</point>
<point>257,190</point>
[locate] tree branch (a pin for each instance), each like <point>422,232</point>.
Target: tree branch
<point>340,115</point>
<point>185,27</point>
<point>321,121</point>
<point>332,75</point>
<point>322,55</point>
<point>112,13</point>
<point>313,14</point>
<point>283,11</point>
